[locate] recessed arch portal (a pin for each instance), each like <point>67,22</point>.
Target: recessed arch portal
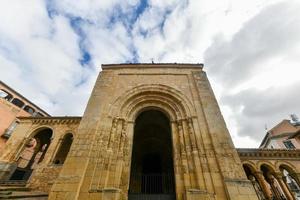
<point>33,153</point>
<point>152,168</point>
<point>173,101</point>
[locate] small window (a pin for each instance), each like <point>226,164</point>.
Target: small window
<point>288,144</point>
<point>5,95</point>
<point>38,114</point>
<point>10,129</point>
<point>29,109</point>
<point>18,102</point>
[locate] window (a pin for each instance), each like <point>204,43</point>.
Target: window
<point>38,114</point>
<point>29,109</point>
<point>11,128</point>
<point>288,144</point>
<point>5,95</point>
<point>18,102</point>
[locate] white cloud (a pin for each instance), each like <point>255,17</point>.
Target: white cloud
<point>247,46</point>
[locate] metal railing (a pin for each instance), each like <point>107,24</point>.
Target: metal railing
<point>152,187</point>
<point>151,197</point>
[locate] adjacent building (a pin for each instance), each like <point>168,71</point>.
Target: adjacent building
<point>285,135</point>
<point>12,106</point>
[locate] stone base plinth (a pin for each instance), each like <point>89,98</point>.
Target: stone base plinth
<point>110,194</point>
<point>240,189</point>
<point>196,194</point>
<point>6,170</point>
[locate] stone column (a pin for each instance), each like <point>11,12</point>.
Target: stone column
<point>14,155</point>
<point>283,186</point>
<point>262,182</point>
<point>189,155</point>
<point>179,186</point>
<point>195,155</point>
<point>120,153</point>
<point>183,155</point>
<point>275,190</point>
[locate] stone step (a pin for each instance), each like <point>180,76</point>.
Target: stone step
<point>13,183</point>
<point>13,188</point>
<point>24,195</point>
<point>5,193</point>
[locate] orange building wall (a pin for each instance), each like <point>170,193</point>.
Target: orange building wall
<point>8,114</point>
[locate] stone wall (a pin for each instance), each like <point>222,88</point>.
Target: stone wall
<point>45,172</point>
<point>207,165</point>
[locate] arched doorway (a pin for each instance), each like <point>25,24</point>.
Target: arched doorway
<point>33,153</point>
<point>152,171</point>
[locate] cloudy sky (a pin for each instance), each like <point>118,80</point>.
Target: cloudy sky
<point>51,51</point>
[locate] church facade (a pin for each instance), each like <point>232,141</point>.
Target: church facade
<point>149,131</point>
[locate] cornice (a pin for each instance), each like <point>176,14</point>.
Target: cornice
<point>277,154</point>
<point>52,120</point>
<point>152,65</point>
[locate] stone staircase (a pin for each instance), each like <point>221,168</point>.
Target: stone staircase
<point>18,190</point>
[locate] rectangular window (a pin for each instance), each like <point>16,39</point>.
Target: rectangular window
<point>288,144</point>
<point>9,131</point>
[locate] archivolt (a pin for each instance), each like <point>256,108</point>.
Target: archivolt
<point>159,96</point>
<point>251,165</point>
<point>288,166</point>
<point>267,164</point>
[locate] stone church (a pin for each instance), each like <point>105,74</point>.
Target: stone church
<point>149,132</point>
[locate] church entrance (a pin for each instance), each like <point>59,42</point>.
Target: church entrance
<point>152,171</point>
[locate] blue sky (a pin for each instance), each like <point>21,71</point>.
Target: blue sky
<point>51,51</point>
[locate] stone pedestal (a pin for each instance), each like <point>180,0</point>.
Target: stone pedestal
<point>111,194</point>
<point>195,194</point>
<point>240,189</point>
<point>6,170</point>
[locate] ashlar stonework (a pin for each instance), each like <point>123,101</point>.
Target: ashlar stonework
<point>149,131</point>
<point>206,164</point>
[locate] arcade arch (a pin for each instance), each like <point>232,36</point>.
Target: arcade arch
<point>33,153</point>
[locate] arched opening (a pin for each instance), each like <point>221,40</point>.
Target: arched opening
<point>152,171</point>
<point>33,153</point>
<point>251,176</point>
<point>64,149</point>
<point>290,181</point>
<point>274,185</point>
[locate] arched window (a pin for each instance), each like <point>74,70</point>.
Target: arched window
<point>64,149</point>
<point>18,102</point>
<point>29,109</point>
<point>5,95</point>
<point>290,181</point>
